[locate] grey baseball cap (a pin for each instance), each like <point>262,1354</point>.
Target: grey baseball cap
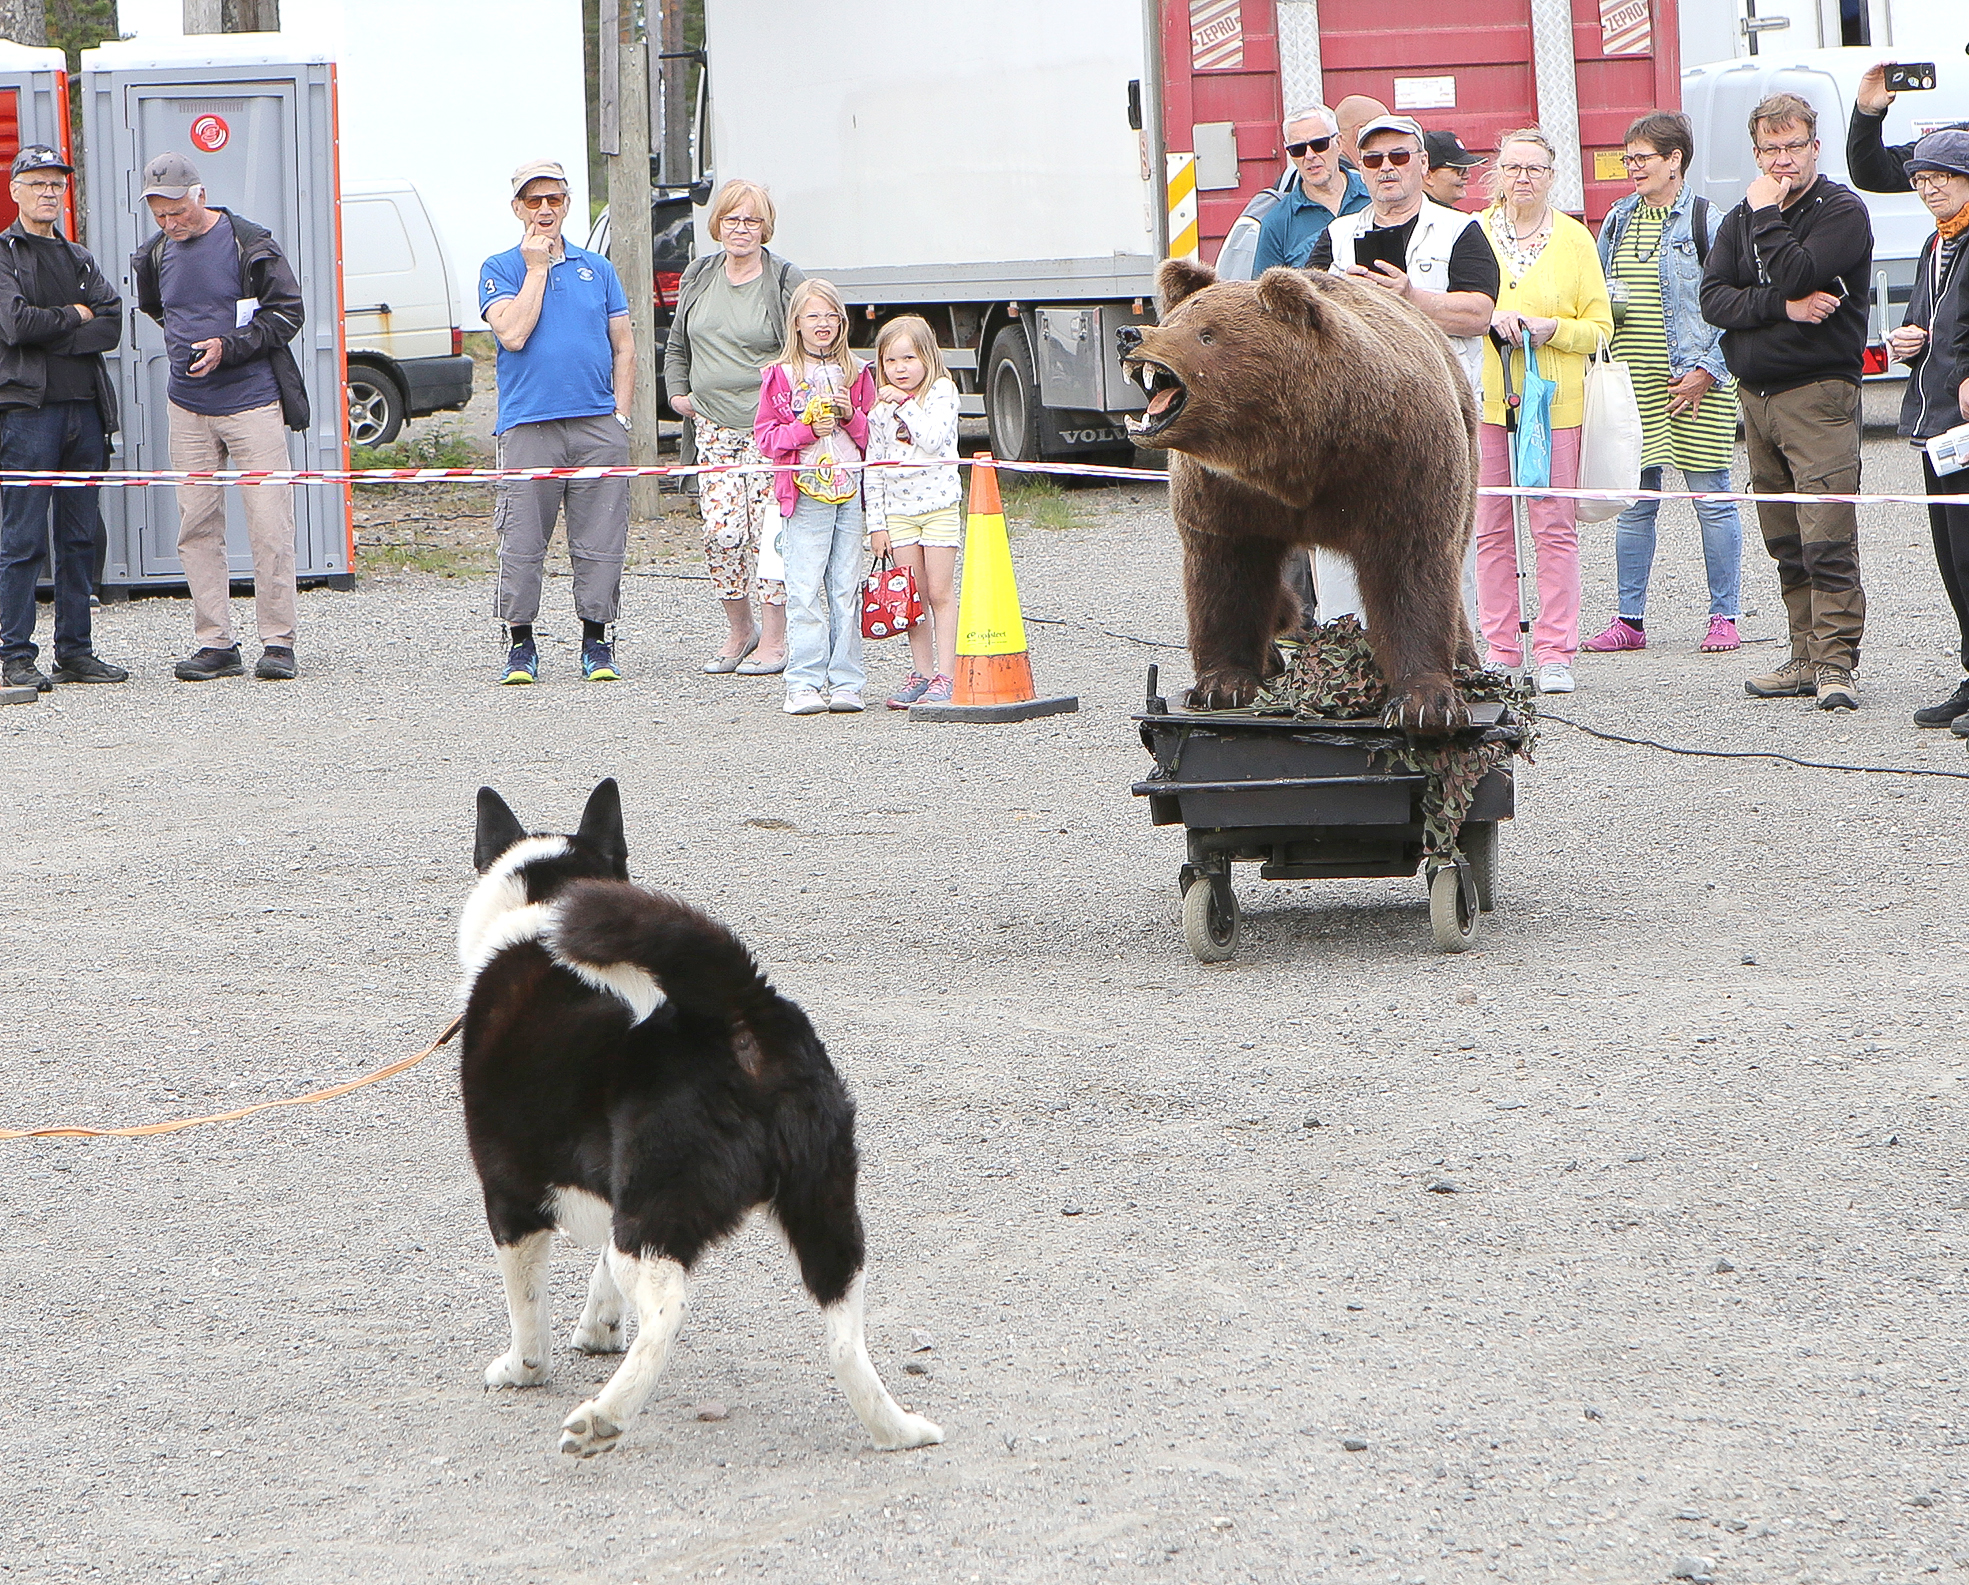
<point>169,176</point>
<point>1946,150</point>
<point>535,170</point>
<point>39,157</point>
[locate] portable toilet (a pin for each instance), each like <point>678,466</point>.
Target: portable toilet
<point>33,109</point>
<point>258,120</point>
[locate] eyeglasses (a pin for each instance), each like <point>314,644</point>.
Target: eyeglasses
<point>744,223</point>
<point>1771,151</point>
<point>1317,145</point>
<point>551,200</point>
<point>44,187</point>
<point>1374,161</point>
<point>1515,171</point>
<point>1635,161</point>
<point>1931,181</point>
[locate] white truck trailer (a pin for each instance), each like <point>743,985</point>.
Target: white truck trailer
<point>930,159</point>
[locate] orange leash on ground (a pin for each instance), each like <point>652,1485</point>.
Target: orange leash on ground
<point>245,1111</point>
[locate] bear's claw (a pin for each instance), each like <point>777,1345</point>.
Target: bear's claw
<point>1223,690</point>
<point>1428,710</point>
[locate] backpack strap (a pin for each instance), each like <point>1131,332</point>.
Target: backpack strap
<point>1699,224</point>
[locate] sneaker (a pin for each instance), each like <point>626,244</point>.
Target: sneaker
<point>598,661</point>
<point>276,664</point>
<point>915,683</point>
<point>522,665</point>
<point>806,701</point>
<point>1722,636</point>
<point>1620,634</point>
<point>938,692</point>
<point>1555,677</point>
<point>846,701</point>
<point>209,663</point>
<point>1836,690</point>
<point>88,667</point>
<point>20,672</point>
<point>1948,711</point>
<point>1797,678</point>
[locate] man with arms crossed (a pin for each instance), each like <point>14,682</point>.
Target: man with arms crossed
<point>567,370</point>
<point>1786,280</point>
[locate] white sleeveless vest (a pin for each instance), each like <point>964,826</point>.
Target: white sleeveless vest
<point>1437,229</point>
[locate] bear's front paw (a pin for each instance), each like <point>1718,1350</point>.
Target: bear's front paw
<point>1430,708</point>
<point>1226,688</point>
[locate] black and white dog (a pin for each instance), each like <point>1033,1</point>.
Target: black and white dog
<point>631,1079</point>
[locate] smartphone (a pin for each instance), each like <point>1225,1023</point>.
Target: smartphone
<point>1905,77</point>
<point>1381,243</point>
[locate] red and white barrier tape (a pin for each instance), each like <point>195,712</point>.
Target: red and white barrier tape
<point>53,479</point>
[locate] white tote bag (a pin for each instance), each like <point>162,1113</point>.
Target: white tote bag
<point>1609,436</point>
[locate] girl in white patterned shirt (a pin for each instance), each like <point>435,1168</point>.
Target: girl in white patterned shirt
<point>913,511</point>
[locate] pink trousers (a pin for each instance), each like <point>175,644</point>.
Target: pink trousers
<point>1555,548</point>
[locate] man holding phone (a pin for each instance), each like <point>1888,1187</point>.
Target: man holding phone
<point>1876,167</point>
<point>1786,281</point>
<point>229,305</point>
<point>1437,258</point>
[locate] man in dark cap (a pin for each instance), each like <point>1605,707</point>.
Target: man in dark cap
<point>1450,165</point>
<point>58,316</point>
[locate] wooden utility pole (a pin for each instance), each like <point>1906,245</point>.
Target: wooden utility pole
<point>232,16</point>
<point>676,98</point>
<point>24,21</point>
<point>625,144</point>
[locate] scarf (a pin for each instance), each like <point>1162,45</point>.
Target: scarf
<point>1955,225</point>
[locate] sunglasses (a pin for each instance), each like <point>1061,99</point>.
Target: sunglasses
<point>1317,145</point>
<point>551,200</point>
<point>1374,161</point>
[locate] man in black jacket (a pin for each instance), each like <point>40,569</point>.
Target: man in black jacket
<point>1786,280</point>
<point>229,304</point>
<point>58,316</point>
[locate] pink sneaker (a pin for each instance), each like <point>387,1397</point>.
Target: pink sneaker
<point>1722,637</point>
<point>1619,635</point>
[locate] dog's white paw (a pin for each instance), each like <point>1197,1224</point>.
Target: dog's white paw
<point>512,1370</point>
<point>588,1431</point>
<point>604,1337</point>
<point>910,1430</point>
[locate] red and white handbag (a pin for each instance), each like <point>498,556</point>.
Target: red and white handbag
<point>889,601</point>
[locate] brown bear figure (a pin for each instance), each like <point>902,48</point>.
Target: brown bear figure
<point>1311,409</point>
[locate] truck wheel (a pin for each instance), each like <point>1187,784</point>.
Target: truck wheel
<point>1012,398</point>
<point>376,407</point>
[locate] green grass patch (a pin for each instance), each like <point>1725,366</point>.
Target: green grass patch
<point>443,447</point>
<point>1036,501</point>
<point>415,556</point>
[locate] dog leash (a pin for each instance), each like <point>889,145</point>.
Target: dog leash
<point>309,1099</point>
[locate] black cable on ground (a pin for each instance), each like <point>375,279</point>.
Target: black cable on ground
<point>1718,753</point>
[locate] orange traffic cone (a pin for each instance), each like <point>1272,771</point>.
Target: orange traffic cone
<point>994,670</point>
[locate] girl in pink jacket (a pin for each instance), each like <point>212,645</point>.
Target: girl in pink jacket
<point>813,416</point>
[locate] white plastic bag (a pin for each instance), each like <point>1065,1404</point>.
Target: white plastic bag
<point>1609,437</point>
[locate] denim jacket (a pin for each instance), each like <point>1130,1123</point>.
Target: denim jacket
<point>1692,341</point>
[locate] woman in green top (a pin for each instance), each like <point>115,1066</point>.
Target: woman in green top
<point>730,323</point>
<point>1653,245</point>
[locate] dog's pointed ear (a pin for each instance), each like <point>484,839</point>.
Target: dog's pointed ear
<point>1291,295</point>
<point>1181,278</point>
<point>499,828</point>
<point>601,826</point>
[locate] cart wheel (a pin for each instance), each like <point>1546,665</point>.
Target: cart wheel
<point>1450,916</point>
<point>1210,929</point>
<point>1479,843</point>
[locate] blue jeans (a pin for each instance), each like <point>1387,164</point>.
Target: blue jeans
<point>61,435</point>
<point>1722,546</point>
<point>822,547</point>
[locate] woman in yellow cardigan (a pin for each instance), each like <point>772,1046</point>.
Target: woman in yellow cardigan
<point>1554,294</point>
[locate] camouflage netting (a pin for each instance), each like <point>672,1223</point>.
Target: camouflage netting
<point>1332,676</point>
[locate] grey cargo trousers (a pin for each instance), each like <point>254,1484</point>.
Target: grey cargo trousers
<point>597,515</point>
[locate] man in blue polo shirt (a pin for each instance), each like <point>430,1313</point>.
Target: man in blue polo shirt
<point>1326,189</point>
<point>567,370</point>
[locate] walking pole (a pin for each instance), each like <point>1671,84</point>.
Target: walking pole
<point>1512,401</point>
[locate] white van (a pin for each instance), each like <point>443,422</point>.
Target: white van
<point>1718,99</point>
<point>406,354</point>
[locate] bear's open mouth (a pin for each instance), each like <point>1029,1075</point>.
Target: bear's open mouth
<point>1166,394</point>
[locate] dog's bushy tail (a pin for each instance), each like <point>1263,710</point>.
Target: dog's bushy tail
<point>602,927</point>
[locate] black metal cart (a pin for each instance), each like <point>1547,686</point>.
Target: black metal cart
<point>1308,799</point>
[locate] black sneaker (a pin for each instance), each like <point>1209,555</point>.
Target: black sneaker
<point>209,663</point>
<point>20,672</point>
<point>87,667</point>
<point>1944,714</point>
<point>276,664</point>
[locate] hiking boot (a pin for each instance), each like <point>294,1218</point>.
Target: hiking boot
<point>1620,634</point>
<point>87,667</point>
<point>598,661</point>
<point>209,663</point>
<point>1945,713</point>
<point>1797,678</point>
<point>276,664</point>
<point>20,672</point>
<point>916,683</point>
<point>1836,690</point>
<point>1722,636</point>
<point>522,665</point>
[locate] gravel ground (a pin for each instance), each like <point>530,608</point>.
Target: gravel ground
<point>1194,1311</point>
